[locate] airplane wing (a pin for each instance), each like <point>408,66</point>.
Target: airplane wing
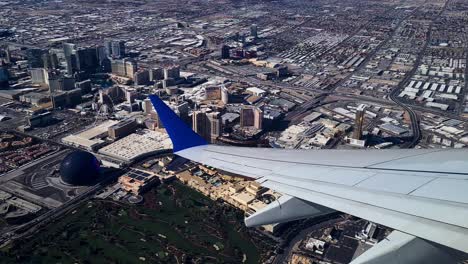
<point>421,193</point>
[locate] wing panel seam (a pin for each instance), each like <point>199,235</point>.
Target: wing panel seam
<point>338,166</point>
<point>399,158</point>
<point>371,205</point>
<point>417,188</point>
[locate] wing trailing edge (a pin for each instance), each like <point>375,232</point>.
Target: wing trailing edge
<point>285,209</point>
<point>401,248</point>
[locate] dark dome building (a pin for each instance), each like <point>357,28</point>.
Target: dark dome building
<point>79,168</point>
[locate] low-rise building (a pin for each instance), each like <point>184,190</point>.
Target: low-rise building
<point>92,138</point>
<point>138,145</point>
<point>137,182</point>
<point>122,129</point>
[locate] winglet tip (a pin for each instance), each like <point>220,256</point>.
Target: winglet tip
<point>182,136</point>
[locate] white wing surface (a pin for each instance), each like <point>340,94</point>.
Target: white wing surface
<point>423,193</point>
<point>389,187</point>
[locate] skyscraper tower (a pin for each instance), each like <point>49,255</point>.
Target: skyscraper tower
<point>4,77</point>
<point>172,72</point>
<point>213,126</point>
<point>8,55</point>
<point>258,118</point>
<point>156,74</point>
<point>47,59</point>
<point>199,123</point>
<point>86,59</point>
<point>207,125</point>
<point>225,52</point>
<point>251,116</point>
<point>118,49</point>
<point>108,48</point>
<point>35,58</point>
<point>70,57</point>
<point>254,31</point>
<point>131,68</point>
<point>224,95</point>
<point>101,54</point>
<point>359,121</point>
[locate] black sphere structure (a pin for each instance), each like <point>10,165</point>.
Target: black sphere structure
<point>79,168</point>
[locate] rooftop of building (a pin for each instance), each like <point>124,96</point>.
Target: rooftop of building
<point>137,145</point>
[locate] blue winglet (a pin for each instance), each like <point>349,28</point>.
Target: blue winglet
<point>182,136</point>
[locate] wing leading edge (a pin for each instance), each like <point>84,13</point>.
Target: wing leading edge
<point>418,192</point>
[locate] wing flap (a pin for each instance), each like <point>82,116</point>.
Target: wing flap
<point>439,232</point>
<point>429,209</point>
<point>285,209</point>
<point>444,189</point>
<point>393,182</point>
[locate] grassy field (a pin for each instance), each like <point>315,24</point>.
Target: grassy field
<point>175,224</point>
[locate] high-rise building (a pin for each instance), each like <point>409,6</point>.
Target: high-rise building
<point>35,58</point>
<point>224,95</point>
<point>225,52</point>
<point>7,55</point>
<point>68,49</point>
<point>147,106</point>
<point>251,116</point>
<point>281,71</point>
<point>71,64</point>
<point>105,65</point>
<point>207,125</point>
<point>86,60</point>
<point>61,83</point>
<point>108,48</point>
<point>359,121</point>
<point>148,109</point>
<point>130,95</point>
<point>50,61</point>
<point>181,108</point>
<point>124,67</point>
<point>130,68</point>
<point>118,49</point>
<point>111,94</point>
<point>103,59</point>
<point>70,58</point>
<point>156,74</point>
<point>118,67</point>
<point>55,84</point>
<point>213,126</point>
<point>199,123</point>
<point>39,76</point>
<point>258,118</point>
<point>172,72</point>
<point>141,77</point>
<point>247,116</point>
<point>254,31</point>
<point>101,54</point>
<point>4,77</point>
